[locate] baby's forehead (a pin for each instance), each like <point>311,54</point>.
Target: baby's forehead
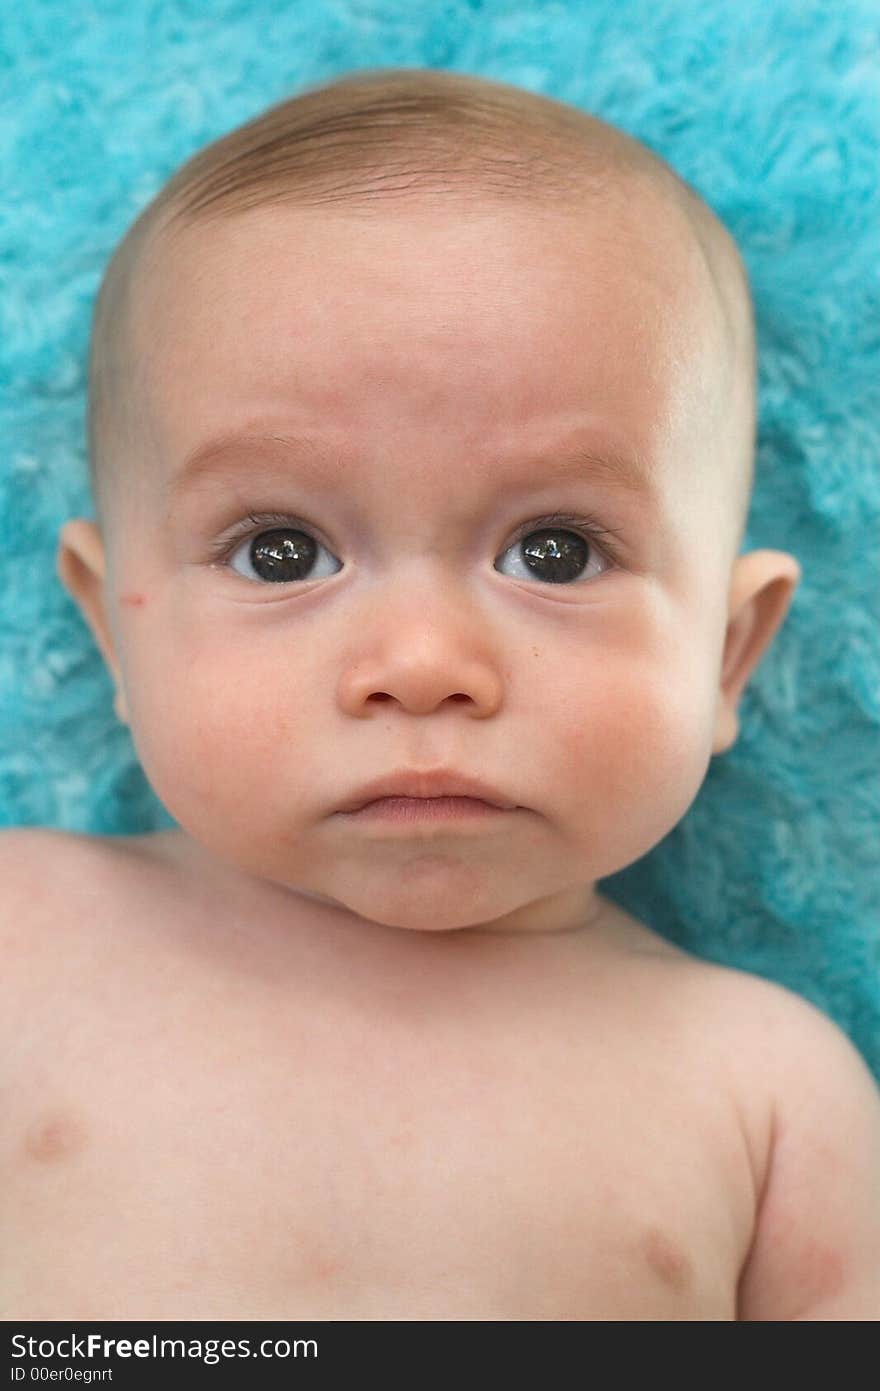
<point>430,285</point>
<point>648,217</point>
<point>263,249</point>
<point>639,221</point>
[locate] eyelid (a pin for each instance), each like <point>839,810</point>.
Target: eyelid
<point>256,522</point>
<point>584,523</point>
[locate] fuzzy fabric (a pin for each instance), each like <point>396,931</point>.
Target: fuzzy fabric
<point>770,108</point>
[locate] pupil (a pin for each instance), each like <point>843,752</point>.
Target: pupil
<point>283,555</point>
<point>552,560</point>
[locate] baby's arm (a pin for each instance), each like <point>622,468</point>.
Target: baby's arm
<point>816,1250</point>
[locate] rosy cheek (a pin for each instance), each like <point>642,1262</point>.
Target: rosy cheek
<point>637,744</point>
<point>135,601</point>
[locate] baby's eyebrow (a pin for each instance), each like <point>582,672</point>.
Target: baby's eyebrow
<point>231,455</point>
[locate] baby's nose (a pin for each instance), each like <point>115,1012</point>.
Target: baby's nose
<point>423,654</point>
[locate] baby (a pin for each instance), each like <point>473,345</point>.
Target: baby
<point>421,425</point>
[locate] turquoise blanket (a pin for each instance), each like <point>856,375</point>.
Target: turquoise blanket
<point>771,110</point>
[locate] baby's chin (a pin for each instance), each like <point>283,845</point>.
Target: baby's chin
<point>423,906</point>
<point>433,892</point>
<point>418,907</point>
<point>429,896</point>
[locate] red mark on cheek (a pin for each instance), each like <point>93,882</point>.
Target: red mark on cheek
<point>135,601</point>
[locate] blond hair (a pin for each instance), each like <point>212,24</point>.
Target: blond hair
<point>391,133</point>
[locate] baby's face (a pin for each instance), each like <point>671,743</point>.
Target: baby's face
<point>407,397</point>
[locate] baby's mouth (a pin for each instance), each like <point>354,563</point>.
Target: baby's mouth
<point>416,810</point>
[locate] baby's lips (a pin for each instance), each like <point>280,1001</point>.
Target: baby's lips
<point>434,783</point>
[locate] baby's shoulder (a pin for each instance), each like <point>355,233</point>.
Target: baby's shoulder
<point>778,1037</point>
<point>55,886</point>
<point>787,1059</point>
<point>773,1025</point>
<point>40,865</point>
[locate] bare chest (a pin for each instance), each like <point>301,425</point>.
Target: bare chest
<point>191,1155</point>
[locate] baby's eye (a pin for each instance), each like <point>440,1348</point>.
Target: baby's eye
<point>554,554</point>
<point>281,556</point>
<point>556,550</point>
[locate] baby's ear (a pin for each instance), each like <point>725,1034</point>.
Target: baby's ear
<point>762,587</point>
<point>81,566</point>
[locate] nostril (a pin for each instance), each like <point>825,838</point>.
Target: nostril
<point>383,695</point>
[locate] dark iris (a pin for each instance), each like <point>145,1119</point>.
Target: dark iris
<point>555,556</point>
<point>283,555</point>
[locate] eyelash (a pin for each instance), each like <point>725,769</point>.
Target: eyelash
<point>585,526</point>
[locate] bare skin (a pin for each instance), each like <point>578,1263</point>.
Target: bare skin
<point>286,1064</point>
<point>215,1110</point>
<point>220,1119</point>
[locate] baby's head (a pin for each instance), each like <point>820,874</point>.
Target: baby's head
<point>481,369</point>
